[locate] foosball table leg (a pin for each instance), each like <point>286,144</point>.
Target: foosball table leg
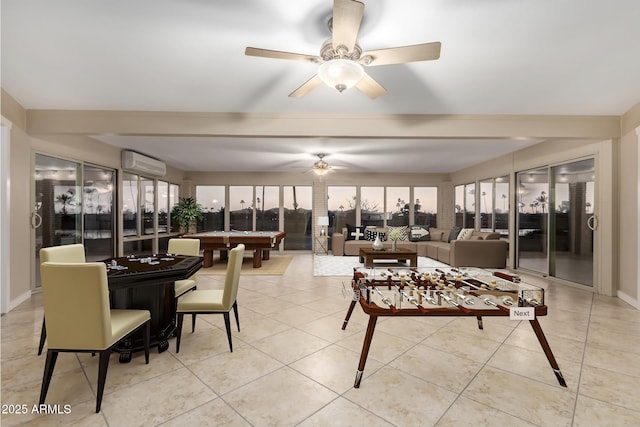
<point>547,351</point>
<point>348,316</point>
<point>480,326</point>
<point>365,349</point>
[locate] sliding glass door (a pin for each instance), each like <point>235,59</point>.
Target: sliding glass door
<point>533,220</point>
<point>57,205</point>
<point>98,212</point>
<point>72,203</point>
<point>557,219</point>
<point>573,222</point>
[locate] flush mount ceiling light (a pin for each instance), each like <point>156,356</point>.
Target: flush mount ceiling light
<point>341,59</point>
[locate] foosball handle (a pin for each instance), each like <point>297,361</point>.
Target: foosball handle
<point>506,276</point>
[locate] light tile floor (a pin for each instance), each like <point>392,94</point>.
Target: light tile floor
<point>293,365</point>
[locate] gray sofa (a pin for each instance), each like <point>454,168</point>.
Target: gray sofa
<point>480,249</point>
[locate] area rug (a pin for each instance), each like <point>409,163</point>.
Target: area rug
<point>276,265</point>
<point>329,265</point>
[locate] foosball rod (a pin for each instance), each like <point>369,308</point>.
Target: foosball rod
<point>412,300</point>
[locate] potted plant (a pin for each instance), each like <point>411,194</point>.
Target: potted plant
<point>185,213</point>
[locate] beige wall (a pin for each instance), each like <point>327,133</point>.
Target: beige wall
<point>12,111</point>
<point>20,252</point>
<point>628,224</point>
<point>314,125</point>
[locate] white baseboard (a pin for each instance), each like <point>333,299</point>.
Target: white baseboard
<point>19,300</point>
<point>629,300</point>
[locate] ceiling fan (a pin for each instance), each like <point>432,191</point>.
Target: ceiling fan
<point>341,59</point>
<point>321,167</point>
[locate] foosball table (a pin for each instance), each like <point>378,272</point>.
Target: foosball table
<point>445,292</point>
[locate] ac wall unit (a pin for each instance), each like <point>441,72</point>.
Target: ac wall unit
<point>137,162</point>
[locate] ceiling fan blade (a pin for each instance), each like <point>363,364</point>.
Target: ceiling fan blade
<point>277,54</point>
<point>370,87</point>
<point>400,55</point>
<point>306,87</point>
<point>347,16</point>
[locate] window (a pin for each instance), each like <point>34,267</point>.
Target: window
<point>501,206</point>
<point>341,204</point>
<point>155,200</point>
<point>267,208</point>
<point>163,207</point>
<point>459,206</point>
<point>148,206</point>
<point>425,206</point>
<point>465,205</point>
<point>469,206</point>
<point>493,208</point>
<point>297,217</point>
<point>486,205</point>
<point>136,247</point>
<point>174,193</point>
<point>130,204</point>
<point>241,208</point>
<point>371,206</point>
<point>167,198</point>
<point>212,200</point>
<point>397,209</point>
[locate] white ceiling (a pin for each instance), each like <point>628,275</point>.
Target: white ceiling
<point>540,57</point>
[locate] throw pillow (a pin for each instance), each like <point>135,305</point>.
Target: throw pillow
<point>454,234</point>
<point>400,232</point>
<point>370,234</point>
<point>419,233</point>
<point>465,234</point>
<point>355,232</point>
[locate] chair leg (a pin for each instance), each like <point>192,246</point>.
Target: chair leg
<point>52,357</point>
<point>235,311</point>
<point>227,323</point>
<point>179,331</point>
<point>43,337</point>
<point>147,340</point>
<point>103,366</point>
<point>193,323</point>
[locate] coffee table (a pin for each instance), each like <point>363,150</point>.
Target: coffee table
<point>368,255</point>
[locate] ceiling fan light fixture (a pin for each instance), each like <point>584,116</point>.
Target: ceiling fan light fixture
<point>340,73</point>
<point>320,171</point>
<point>321,167</point>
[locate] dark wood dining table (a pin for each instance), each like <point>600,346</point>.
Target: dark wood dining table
<point>146,282</point>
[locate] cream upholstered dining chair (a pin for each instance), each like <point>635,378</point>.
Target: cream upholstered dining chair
<point>214,301</point>
<point>79,318</point>
<point>66,253</point>
<point>189,247</point>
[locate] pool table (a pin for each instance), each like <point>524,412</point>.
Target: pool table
<point>261,242</point>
